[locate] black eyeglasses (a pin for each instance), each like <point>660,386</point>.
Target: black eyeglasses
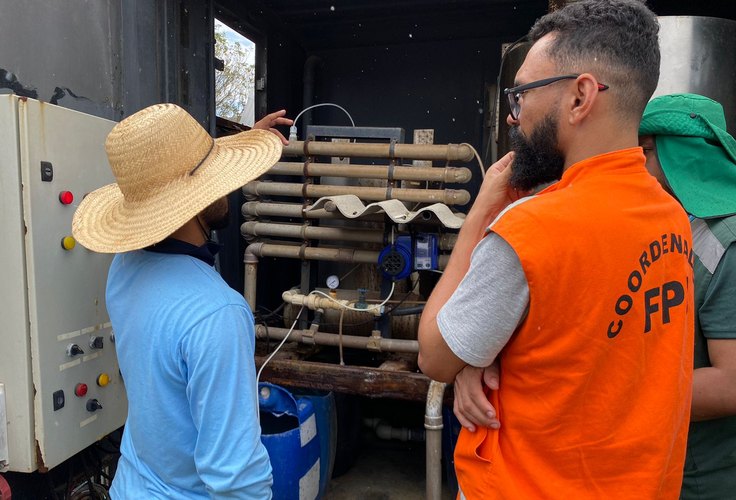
<point>514,93</point>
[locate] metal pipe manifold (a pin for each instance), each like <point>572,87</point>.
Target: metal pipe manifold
<point>446,196</point>
<point>347,255</point>
<point>304,232</point>
<point>457,175</point>
<point>444,152</point>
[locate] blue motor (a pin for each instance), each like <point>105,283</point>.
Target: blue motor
<point>397,261</point>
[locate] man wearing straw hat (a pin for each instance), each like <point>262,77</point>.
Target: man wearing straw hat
<point>184,339</point>
<point>690,153</point>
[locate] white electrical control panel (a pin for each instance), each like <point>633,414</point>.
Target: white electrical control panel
<point>62,386</point>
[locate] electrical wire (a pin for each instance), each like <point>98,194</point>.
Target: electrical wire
<point>293,130</point>
<point>477,157</point>
<point>268,359</point>
<point>339,331</point>
<point>349,272</point>
<point>406,296</point>
<point>262,318</point>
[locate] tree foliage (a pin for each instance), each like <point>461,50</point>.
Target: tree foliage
<point>234,85</point>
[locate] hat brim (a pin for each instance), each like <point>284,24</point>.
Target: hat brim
<point>108,223</point>
<point>701,174</point>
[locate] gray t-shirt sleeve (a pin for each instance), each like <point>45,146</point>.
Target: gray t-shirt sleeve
<point>490,302</point>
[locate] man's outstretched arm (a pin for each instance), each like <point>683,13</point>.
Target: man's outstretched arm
<point>272,120</point>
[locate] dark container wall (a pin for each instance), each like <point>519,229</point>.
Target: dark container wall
<point>438,85</point>
<point>283,71</point>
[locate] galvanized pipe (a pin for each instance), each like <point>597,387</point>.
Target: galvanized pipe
<point>303,232</point>
<point>402,173</point>
<point>347,255</point>
<point>444,152</point>
<point>373,343</point>
<point>446,196</point>
<point>433,425</point>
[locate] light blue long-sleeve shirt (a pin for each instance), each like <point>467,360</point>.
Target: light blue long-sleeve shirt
<point>185,343</point>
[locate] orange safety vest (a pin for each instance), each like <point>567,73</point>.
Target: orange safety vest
<point>595,389</point>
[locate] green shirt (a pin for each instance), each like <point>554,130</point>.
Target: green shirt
<point>710,467</point>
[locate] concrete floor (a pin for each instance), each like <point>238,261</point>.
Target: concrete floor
<point>385,470</point>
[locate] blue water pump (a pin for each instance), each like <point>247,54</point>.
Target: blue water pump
<point>421,253</point>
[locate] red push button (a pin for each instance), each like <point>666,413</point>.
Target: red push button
<point>66,197</point>
<point>80,390</point>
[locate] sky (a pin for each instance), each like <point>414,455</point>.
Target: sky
<point>233,36</point>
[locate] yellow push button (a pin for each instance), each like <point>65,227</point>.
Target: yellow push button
<point>103,379</point>
<point>68,242</point>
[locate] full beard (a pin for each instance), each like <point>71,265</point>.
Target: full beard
<point>537,160</point>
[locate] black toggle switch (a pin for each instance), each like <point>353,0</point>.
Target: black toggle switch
<point>95,342</point>
<point>58,400</point>
<point>93,405</point>
<point>47,171</point>
<point>73,350</point>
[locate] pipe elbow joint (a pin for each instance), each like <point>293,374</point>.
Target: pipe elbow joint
<point>252,252</point>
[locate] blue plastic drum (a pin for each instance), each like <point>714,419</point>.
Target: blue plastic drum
<point>289,433</point>
<point>324,409</point>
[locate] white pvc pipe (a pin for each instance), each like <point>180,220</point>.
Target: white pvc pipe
<point>456,175</point>
<point>305,232</point>
<point>315,302</point>
<point>446,196</point>
<point>347,255</point>
<point>433,425</point>
<point>372,343</point>
<point>445,152</point>
<point>296,210</point>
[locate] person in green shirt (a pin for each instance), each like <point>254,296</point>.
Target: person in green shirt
<point>689,151</point>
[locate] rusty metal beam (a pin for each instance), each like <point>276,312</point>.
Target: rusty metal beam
<point>362,380</point>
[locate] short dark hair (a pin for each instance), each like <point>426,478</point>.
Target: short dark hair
<point>616,40</point>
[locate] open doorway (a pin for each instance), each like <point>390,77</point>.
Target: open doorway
<point>234,80</point>
<point>234,75</point>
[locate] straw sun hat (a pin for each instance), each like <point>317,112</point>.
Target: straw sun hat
<point>168,169</point>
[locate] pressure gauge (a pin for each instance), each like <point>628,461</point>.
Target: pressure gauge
<point>333,282</point>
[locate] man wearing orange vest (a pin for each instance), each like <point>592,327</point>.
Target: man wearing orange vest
<point>582,293</point>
